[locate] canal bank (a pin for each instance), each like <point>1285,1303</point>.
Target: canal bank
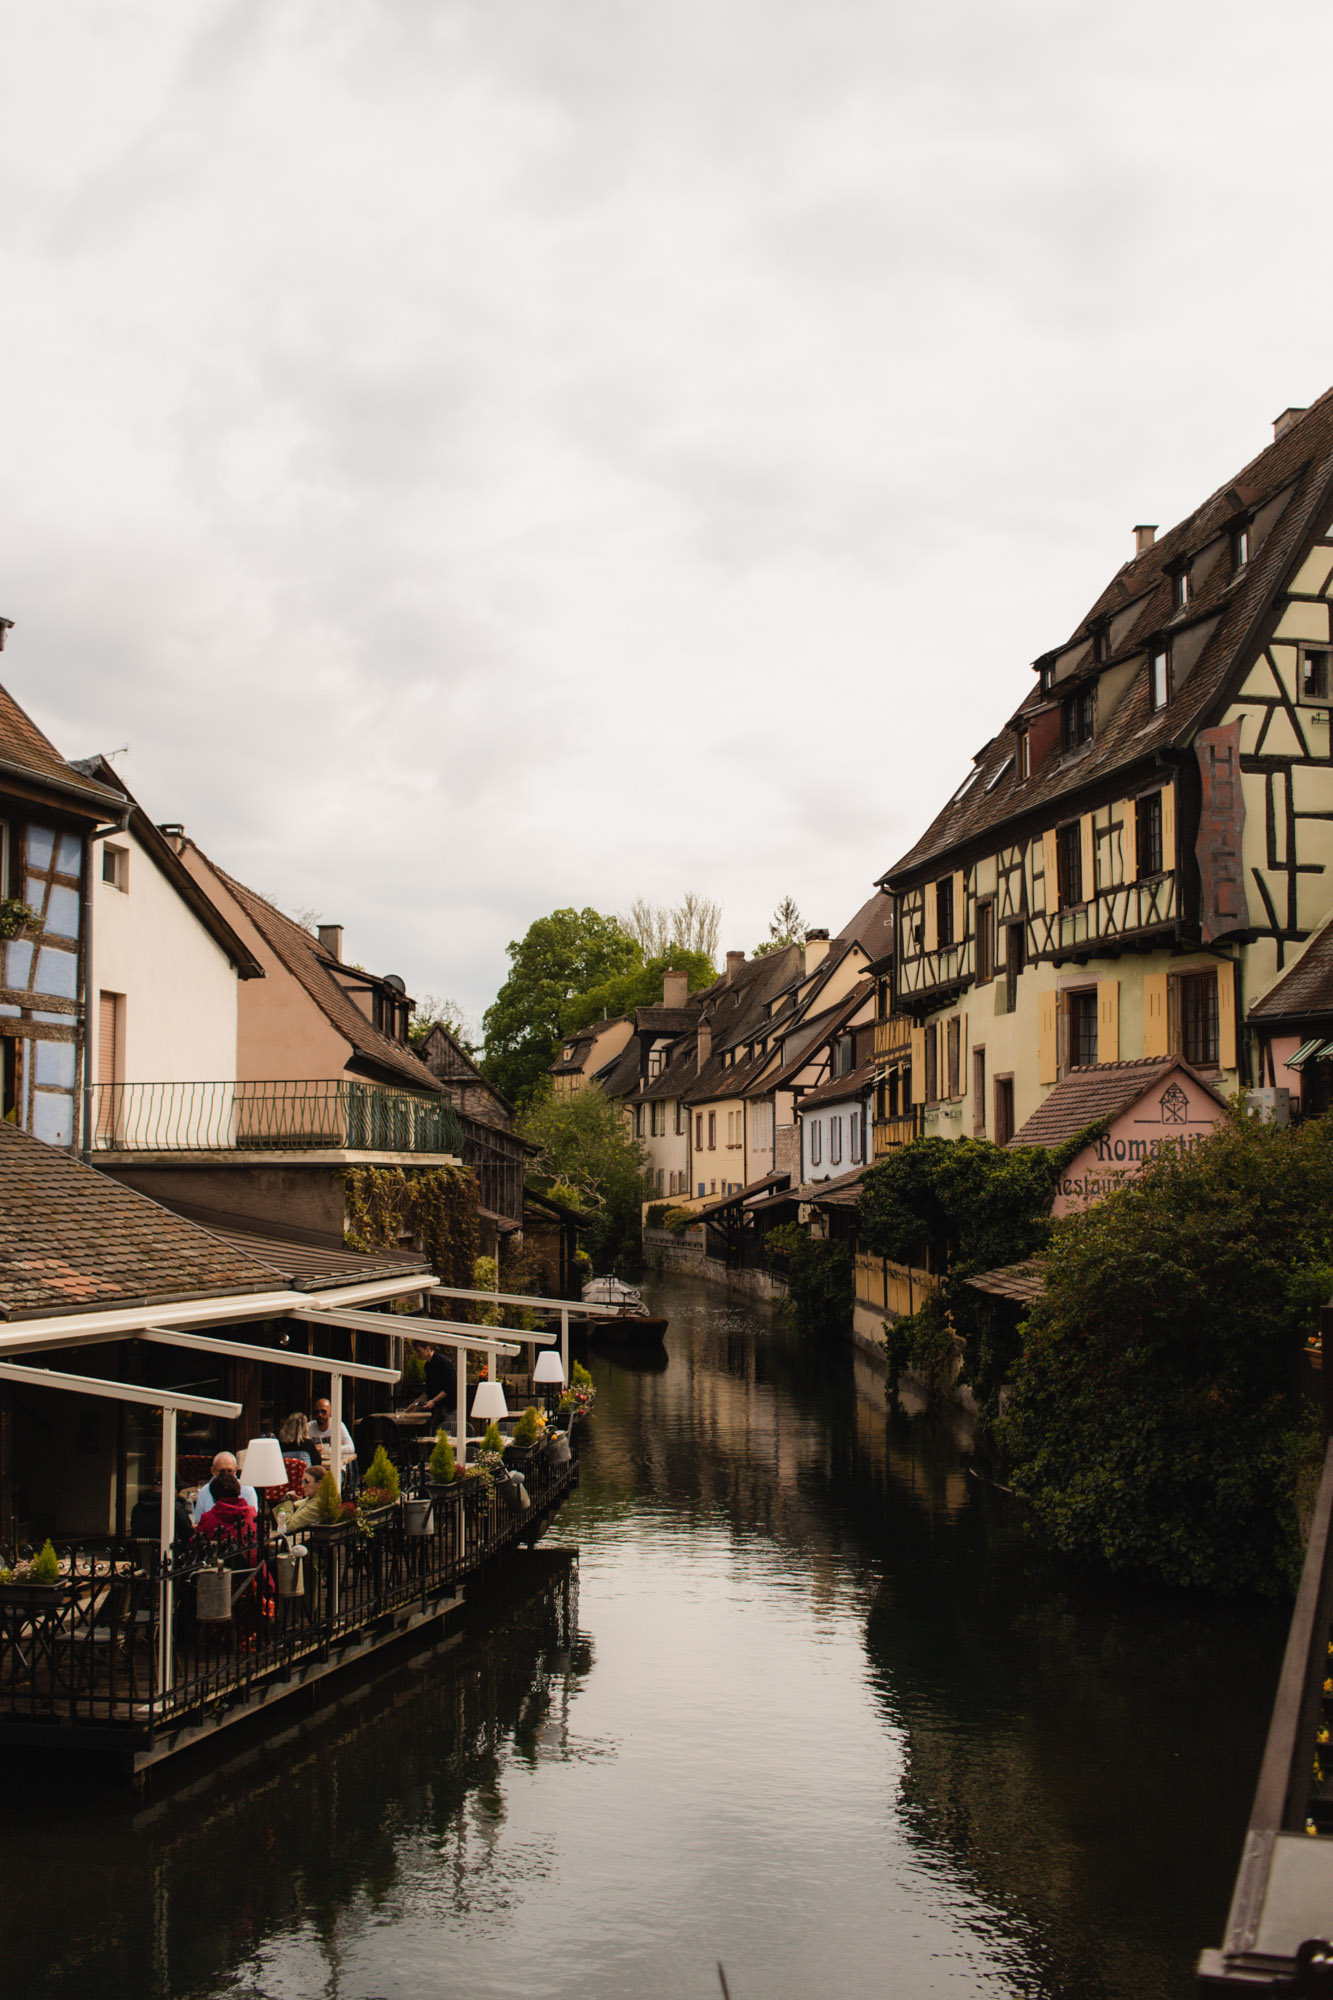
<point>805,1702</point>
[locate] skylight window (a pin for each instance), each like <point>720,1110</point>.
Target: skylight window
<point>966,785</point>
<point>996,776</point>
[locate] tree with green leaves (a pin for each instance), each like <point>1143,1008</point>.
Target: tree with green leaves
<point>559,956</point>
<point>1155,1425</point>
<point>640,988</point>
<point>587,1157</point>
<point>787,926</point>
<point>958,1207</point>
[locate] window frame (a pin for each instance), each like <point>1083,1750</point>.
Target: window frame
<point>1148,813</point>
<point>1078,717</point>
<point>1305,652</point>
<point>1069,884</point>
<point>984,946</point>
<point>119,857</point>
<point>1159,684</point>
<point>944,937</point>
<point>1079,1009</point>
<point>1186,984</point>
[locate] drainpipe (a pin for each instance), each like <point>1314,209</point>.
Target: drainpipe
<point>98,833</point>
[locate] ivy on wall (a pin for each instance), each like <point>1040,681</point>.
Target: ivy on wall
<point>436,1208</point>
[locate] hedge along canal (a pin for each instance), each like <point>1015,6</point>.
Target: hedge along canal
<point>806,1703</point>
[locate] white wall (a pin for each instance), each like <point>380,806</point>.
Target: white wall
<point>823,1117</point>
<point>179,986</point>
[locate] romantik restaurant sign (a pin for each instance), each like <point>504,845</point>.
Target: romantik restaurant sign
<point>1174,1115</point>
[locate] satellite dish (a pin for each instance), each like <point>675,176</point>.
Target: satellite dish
<point>392,979</point>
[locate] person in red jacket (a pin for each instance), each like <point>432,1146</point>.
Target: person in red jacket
<point>231,1522</point>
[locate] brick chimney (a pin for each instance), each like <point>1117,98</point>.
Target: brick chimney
<point>816,949</point>
<point>704,1044</point>
<point>735,960</point>
<point>331,940</point>
<point>1144,537</point>
<point>1282,424</point>
<point>174,834</point>
<point>675,988</point>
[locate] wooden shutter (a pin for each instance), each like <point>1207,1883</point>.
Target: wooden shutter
<point>1226,1016</point>
<point>1108,1020</point>
<point>1088,842</point>
<point>1156,1017</point>
<point>918,1065</point>
<point>932,911</point>
<point>109,1065</point>
<point>1051,864</point>
<point>1169,827</point>
<point>959,906</point>
<point>1129,841</point>
<point>1048,1047</point>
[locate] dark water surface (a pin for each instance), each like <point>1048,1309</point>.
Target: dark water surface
<point>805,1703</point>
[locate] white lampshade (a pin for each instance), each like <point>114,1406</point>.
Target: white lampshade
<point>489,1402</point>
<point>261,1464</point>
<point>550,1368</point>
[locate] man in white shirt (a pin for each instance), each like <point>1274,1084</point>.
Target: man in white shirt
<point>203,1500</point>
<point>321,1432</point>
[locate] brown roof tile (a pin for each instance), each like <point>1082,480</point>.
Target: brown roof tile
<point>23,746</point>
<point>1095,1094</point>
<point>1305,990</point>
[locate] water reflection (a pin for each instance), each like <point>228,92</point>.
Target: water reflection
<point>826,1718</point>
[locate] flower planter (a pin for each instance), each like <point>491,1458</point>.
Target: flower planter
<point>328,1534</point>
<point>416,1517</point>
<point>559,1448</point>
<point>520,1457</point>
<point>34,1596</point>
<point>376,1518</point>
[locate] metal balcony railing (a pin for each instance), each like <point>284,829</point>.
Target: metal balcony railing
<point>300,1116</point>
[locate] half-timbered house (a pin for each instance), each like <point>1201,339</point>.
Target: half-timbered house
<point>1144,848</point>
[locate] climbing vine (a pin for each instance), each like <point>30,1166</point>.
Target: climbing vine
<point>436,1207</point>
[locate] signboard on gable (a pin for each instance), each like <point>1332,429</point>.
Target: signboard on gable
<point>1174,1114</point>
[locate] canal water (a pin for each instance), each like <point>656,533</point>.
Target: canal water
<point>785,1689</point>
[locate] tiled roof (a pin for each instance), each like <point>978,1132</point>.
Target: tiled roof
<point>739,1196</point>
<point>73,1240</point>
<point>23,746</point>
<point>1305,989</point>
<point>1295,477</point>
<point>308,962</point>
<point>1096,1094</point>
<point>872,926</point>
<point>1025,1282</point>
<point>839,1088</point>
<point>309,1267</point>
<point>661,1020</point>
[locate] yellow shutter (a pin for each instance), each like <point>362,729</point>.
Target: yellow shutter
<point>1129,841</point>
<point>1168,826</point>
<point>1156,1029</point>
<point>932,907</point>
<point>959,906</point>
<point>1051,864</point>
<point>1048,1047</point>
<point>1088,841</point>
<point>1108,1020</point>
<point>918,1065</point>
<point>1226,1016</point>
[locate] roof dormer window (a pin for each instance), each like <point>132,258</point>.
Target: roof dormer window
<point>1076,717</point>
<point>1024,756</point>
<point>1240,547</point>
<point>1101,645</point>
<point>1180,589</point>
<point>1159,679</point>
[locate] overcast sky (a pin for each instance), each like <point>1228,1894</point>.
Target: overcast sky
<point>484,455</point>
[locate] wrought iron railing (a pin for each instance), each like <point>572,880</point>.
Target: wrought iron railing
<point>132,1641</point>
<point>339,1113</point>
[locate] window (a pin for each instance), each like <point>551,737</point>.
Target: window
<point>661,1180</point>
<point>1180,589</point>
<point>854,1138</point>
<point>1046,677</point>
<point>659,1119</point>
<point>1024,757</point>
<point>638,1121</point>
<point>985,955</point>
<point>932,1064</point>
<point>978,1093</point>
<point>699,1134</point>
<point>896,1098</point>
<point>1148,827</point>
<point>944,912</point>
<point>1069,862</point>
<point>816,1138</point>
<point>1004,1110</point>
<point>1015,958</point>
<point>1076,717</point>
<point>1159,680</point>
<point>712,1131</point>
<point>835,1142</point>
<point>998,773</point>
<point>1081,1017</point>
<point>953,1043</point>
<point>1240,547</point>
<point>1316,681</point>
<point>680,1118</point>
<point>1198,1018</point>
<point>1101,644</point>
<point>116,867</point>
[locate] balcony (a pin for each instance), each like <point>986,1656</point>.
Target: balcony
<point>893,1038</point>
<point>338,1115</point>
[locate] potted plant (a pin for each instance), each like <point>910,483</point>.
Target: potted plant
<point>528,1439</point>
<point>582,1394</point>
<point>37,1583</point>
<point>380,1491</point>
<point>444,1480</point>
<point>335,1519</point>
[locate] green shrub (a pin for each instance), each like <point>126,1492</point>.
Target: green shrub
<point>579,1377</point>
<point>493,1440</point>
<point>382,1474</point>
<point>528,1428</point>
<point>819,1279</point>
<point>45,1565</point>
<point>328,1502</point>
<point>656,1215</point>
<point>441,1467</point>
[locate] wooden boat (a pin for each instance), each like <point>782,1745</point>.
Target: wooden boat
<point>631,1320</point>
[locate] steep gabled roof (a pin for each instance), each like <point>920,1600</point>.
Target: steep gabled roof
<point>446,1058</point>
<point>1096,1094</point>
<point>27,753</point>
<point>309,963</point>
<point>1286,492</point>
<point>1305,990</point>
<point>839,1088</point>
<point>73,1240</point>
<point>165,858</point>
